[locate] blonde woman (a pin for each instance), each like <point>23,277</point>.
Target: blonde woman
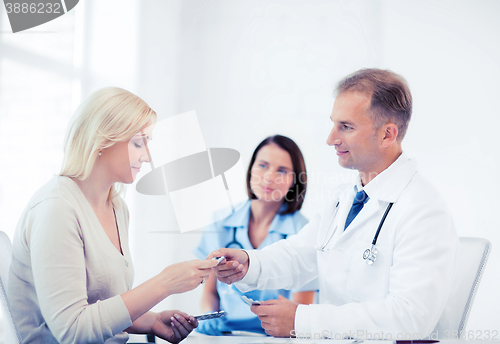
<point>71,273</point>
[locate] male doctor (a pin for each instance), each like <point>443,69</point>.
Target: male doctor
<point>383,249</point>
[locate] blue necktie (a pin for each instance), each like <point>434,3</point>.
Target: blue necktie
<point>358,203</point>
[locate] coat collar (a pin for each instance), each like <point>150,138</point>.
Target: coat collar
<point>390,183</point>
<point>282,224</point>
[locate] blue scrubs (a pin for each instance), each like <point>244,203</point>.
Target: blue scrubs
<point>219,235</point>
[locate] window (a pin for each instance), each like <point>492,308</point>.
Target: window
<point>39,84</point>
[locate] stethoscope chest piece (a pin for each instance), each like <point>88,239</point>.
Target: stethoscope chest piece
<point>370,255</point>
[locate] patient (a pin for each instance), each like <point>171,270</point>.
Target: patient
<point>276,186</point>
<point>71,272</point>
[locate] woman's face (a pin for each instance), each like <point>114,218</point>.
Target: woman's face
<point>272,173</point>
<point>124,159</point>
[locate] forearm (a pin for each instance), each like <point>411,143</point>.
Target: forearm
<point>392,316</point>
<point>209,304</point>
<point>177,278</point>
<point>143,324</point>
<point>287,264</point>
<point>142,298</point>
<point>210,301</point>
<point>304,297</point>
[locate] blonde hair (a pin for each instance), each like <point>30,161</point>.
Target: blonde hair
<point>108,116</point>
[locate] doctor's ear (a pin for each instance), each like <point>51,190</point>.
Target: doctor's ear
<point>390,134</point>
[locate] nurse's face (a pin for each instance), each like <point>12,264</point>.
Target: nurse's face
<point>353,136</point>
<point>272,173</point>
<point>124,159</point>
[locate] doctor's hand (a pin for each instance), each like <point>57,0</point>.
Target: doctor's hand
<point>233,268</point>
<point>277,317</point>
<point>173,326</point>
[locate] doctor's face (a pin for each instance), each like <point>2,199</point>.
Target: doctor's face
<point>353,136</point>
<point>272,173</point>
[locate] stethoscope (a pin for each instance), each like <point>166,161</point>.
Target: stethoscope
<point>370,254</point>
<point>236,243</point>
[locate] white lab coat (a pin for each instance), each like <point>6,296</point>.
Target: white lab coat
<point>404,292</point>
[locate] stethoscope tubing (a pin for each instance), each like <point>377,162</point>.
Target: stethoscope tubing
<point>329,226</point>
<point>234,242</point>
<point>375,238</point>
<point>381,223</point>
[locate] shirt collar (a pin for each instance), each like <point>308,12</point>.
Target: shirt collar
<point>282,224</point>
<point>388,185</point>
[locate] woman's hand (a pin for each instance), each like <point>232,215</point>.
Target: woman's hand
<point>176,278</point>
<point>185,276</point>
<point>173,326</point>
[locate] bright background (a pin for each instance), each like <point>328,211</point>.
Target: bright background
<point>255,68</point>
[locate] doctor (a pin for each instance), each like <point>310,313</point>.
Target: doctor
<point>383,248</point>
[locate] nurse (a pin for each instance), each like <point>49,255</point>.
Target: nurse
<point>276,184</point>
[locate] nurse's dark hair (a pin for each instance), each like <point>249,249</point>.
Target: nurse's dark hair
<point>391,100</point>
<point>297,192</point>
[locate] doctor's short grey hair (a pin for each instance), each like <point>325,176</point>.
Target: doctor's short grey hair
<point>391,100</point>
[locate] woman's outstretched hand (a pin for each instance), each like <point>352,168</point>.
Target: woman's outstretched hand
<point>185,276</point>
<point>173,326</point>
<point>175,279</point>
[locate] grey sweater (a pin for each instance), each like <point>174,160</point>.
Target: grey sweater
<point>66,276</point>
